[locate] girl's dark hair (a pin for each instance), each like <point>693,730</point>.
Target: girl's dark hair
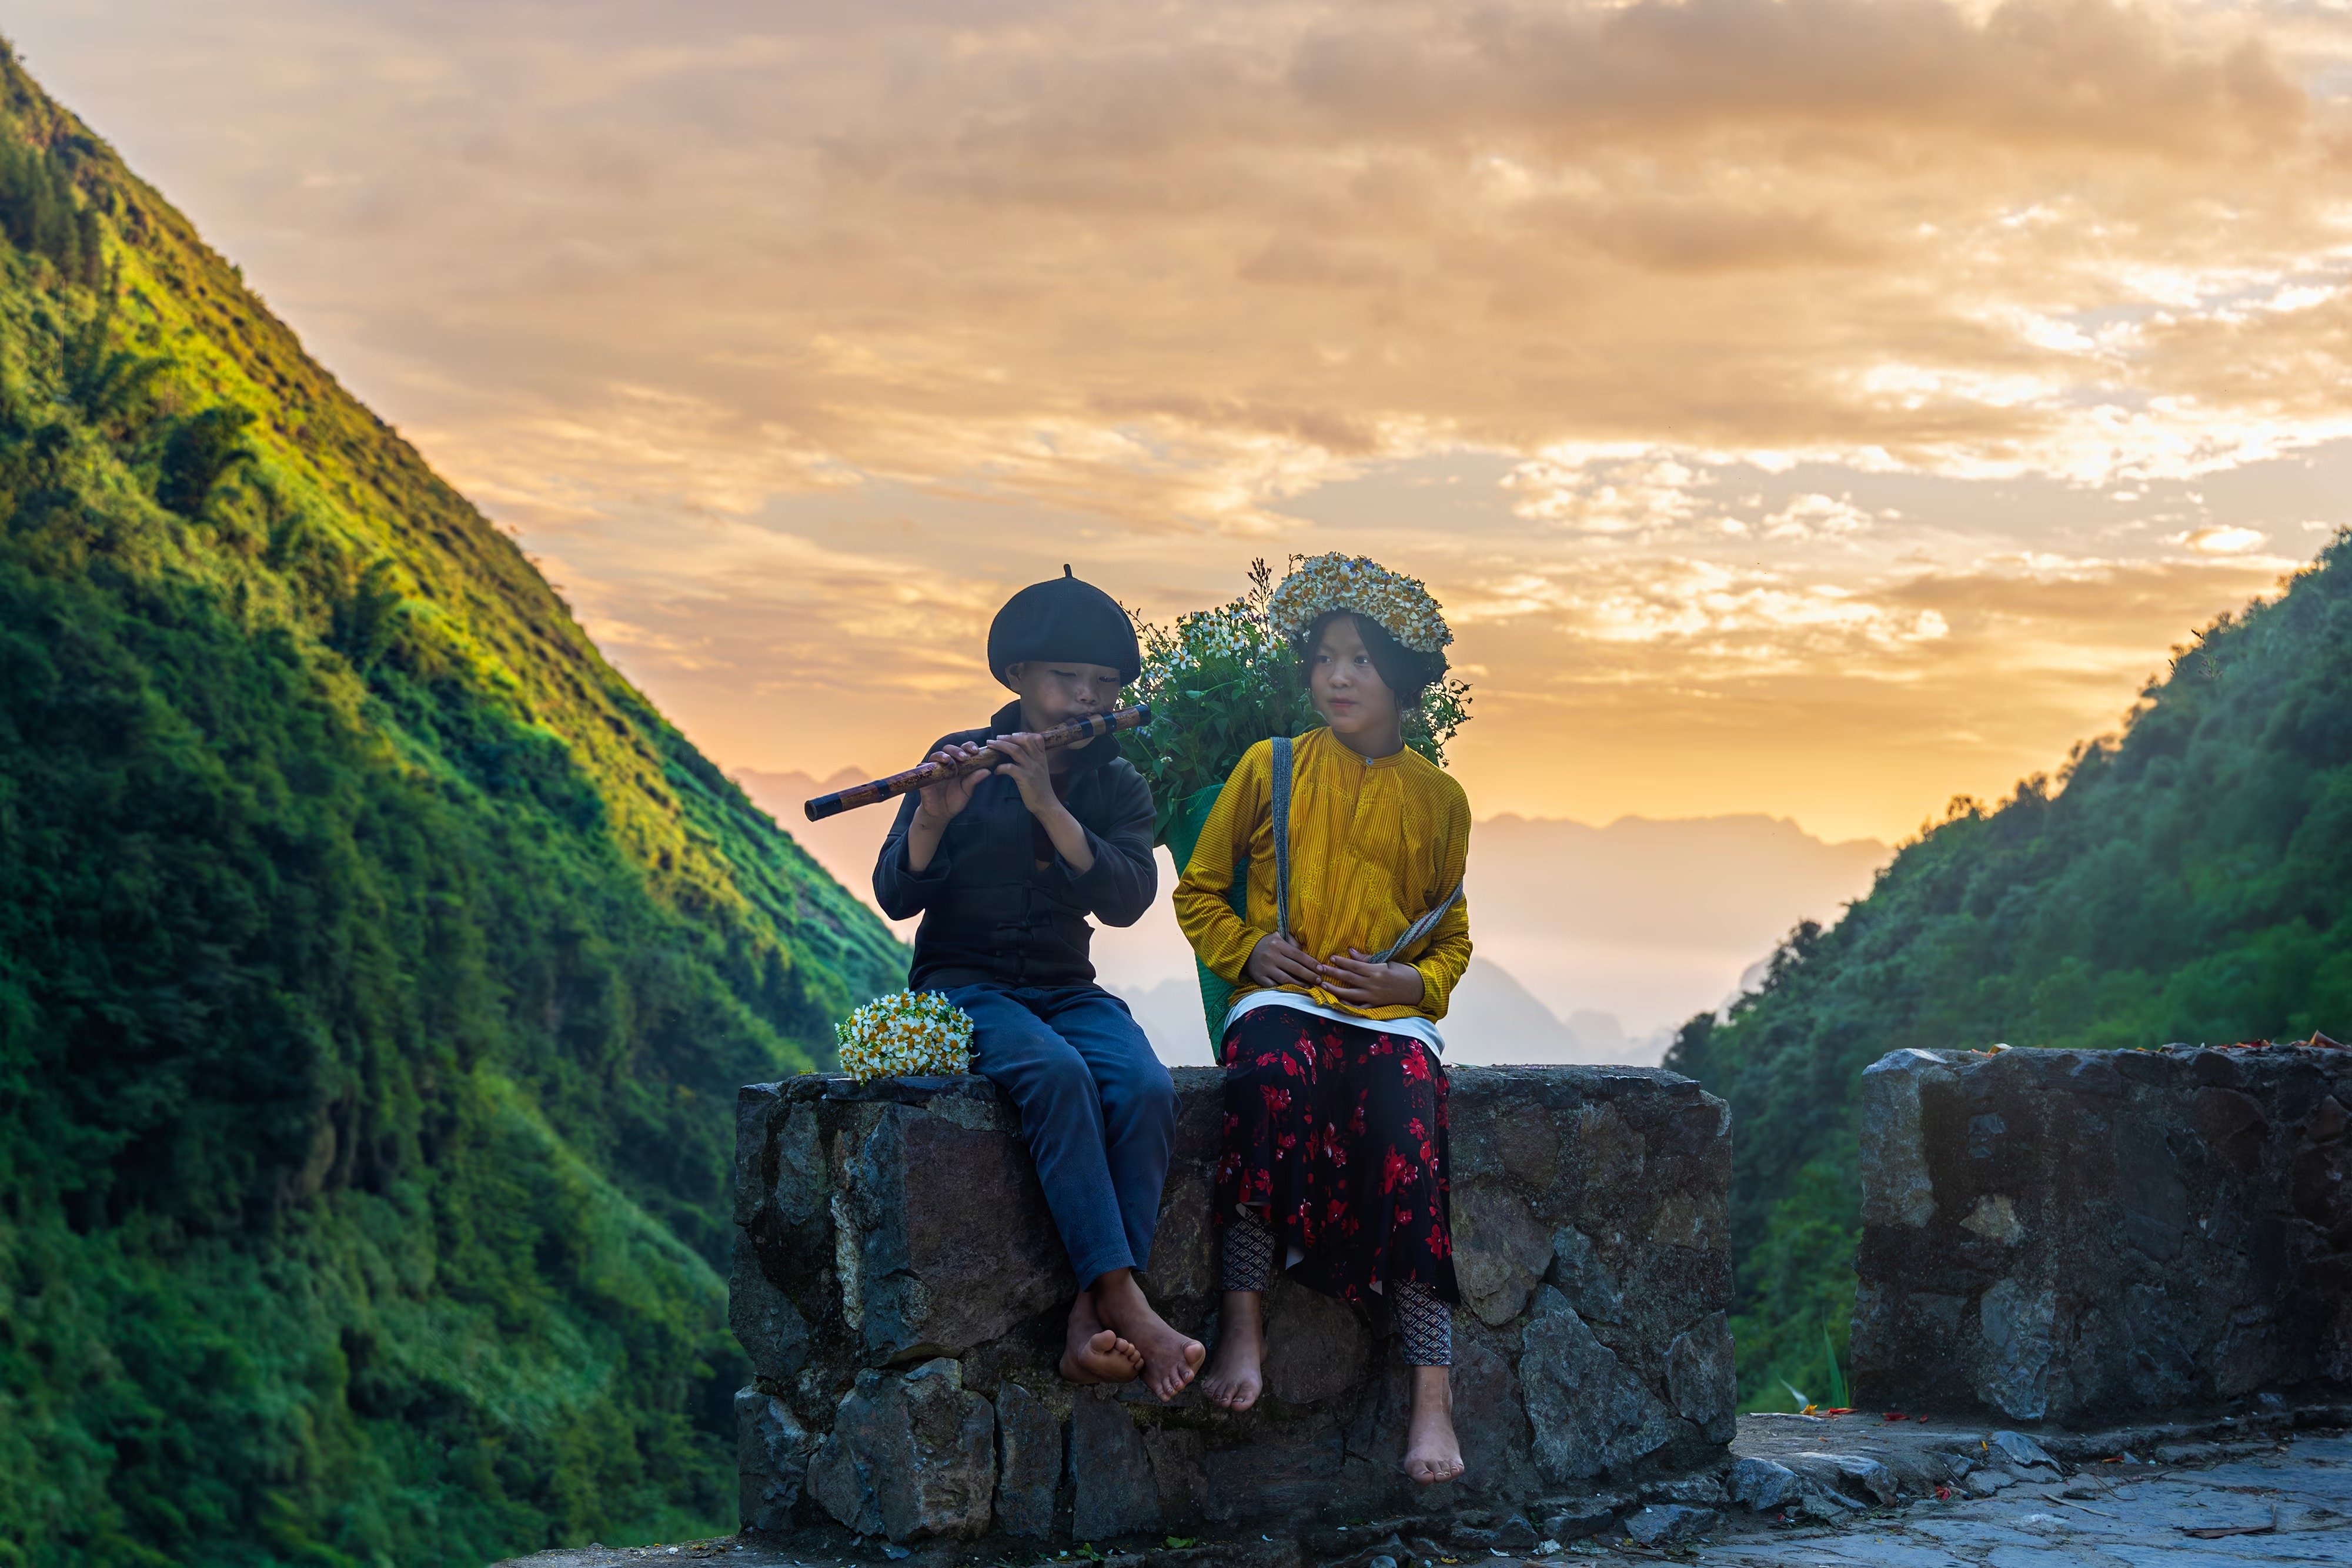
<point>1406,671</point>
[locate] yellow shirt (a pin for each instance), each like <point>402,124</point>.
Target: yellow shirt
<point>1374,845</point>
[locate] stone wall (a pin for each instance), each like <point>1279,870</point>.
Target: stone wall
<point>2074,1236</point>
<point>901,1293</point>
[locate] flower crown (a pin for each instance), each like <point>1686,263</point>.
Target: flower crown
<point>1364,587</point>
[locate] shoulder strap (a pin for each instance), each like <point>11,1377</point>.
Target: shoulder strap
<point>1281,815</point>
<point>1419,928</point>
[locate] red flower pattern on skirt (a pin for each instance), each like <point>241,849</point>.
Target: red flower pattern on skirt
<point>1339,1130</point>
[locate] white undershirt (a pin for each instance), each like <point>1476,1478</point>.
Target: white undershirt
<point>1412,1025</point>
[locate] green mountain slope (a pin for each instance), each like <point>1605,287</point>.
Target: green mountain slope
<point>2191,881</point>
<point>376,966</point>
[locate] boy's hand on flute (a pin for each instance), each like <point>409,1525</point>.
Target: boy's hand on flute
<point>944,802</point>
<point>1025,763</point>
<point>1359,981</point>
<point>1278,961</point>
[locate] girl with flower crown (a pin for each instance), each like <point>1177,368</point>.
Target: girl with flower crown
<point>1351,936</point>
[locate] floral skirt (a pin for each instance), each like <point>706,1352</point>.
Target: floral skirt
<point>1339,1131</point>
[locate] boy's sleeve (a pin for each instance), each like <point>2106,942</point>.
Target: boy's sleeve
<point>1123,880</point>
<point>1442,963</point>
<point>1223,939</point>
<point>902,892</point>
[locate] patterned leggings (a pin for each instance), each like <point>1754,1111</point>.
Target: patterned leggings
<point>1425,1322</point>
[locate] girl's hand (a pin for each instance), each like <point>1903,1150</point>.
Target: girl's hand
<point>1275,961</point>
<point>944,802</point>
<point>1357,981</point>
<point>1025,764</point>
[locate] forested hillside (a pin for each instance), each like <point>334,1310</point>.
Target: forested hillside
<point>376,966</point>
<point>2191,881</point>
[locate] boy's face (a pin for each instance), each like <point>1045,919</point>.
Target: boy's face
<point>1054,692</point>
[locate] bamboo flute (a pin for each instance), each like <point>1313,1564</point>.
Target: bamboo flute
<point>929,773</point>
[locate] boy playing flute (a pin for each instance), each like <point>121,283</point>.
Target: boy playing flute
<point>1004,865</point>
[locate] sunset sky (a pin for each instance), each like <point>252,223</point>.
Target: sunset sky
<point>1812,407</point>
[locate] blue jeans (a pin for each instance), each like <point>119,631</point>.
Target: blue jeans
<point>1097,1110</point>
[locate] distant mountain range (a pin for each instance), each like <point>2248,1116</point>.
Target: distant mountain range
<point>1495,1020</point>
<point>1651,920</point>
<point>1593,942</point>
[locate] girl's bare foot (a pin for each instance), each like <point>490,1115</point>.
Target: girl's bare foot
<point>1093,1353</point>
<point>1431,1454</point>
<point>1170,1360</point>
<point>1236,1373</point>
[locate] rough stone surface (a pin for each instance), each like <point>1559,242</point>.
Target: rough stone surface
<point>910,1455</point>
<point>1593,1415</point>
<point>1853,1475</point>
<point>2084,1235</point>
<point>1670,1524</point>
<point>764,1320</point>
<point>1029,1462</point>
<point>1701,1377</point>
<point>1764,1484</point>
<point>895,1224</point>
<point>1116,1492</point>
<point>2021,1449</point>
<point>1588,1516</point>
<point>772,1453</point>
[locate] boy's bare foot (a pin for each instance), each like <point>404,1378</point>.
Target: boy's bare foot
<point>1170,1360</point>
<point>1431,1454</point>
<point>1093,1353</point>
<point>1236,1375</point>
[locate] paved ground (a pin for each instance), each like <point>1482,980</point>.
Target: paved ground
<point>2289,1504</point>
<point>2277,1498</point>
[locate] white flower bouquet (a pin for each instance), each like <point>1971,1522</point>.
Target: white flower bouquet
<point>909,1034</point>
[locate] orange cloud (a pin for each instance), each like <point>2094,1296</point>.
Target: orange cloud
<point>1811,406</point>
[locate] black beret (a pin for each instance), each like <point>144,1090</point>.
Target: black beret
<point>1063,618</point>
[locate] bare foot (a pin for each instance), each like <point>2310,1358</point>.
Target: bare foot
<point>1431,1454</point>
<point>1093,1353</point>
<point>1236,1375</point>
<point>1170,1360</point>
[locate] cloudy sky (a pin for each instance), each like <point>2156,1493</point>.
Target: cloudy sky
<point>1813,407</point>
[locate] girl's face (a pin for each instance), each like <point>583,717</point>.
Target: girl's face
<point>1347,691</point>
<point>1055,692</point>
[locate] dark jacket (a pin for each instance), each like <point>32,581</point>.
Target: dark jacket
<point>989,912</point>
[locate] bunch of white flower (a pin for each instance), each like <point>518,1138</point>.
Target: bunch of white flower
<point>910,1034</point>
<point>1207,637</point>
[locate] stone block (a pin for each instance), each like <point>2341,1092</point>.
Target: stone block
<point>1853,1475</point>
<point>1116,1492</point>
<point>1764,1484</point>
<point>770,1459</point>
<point>1586,1516</point>
<point>1316,1347</point>
<point>1029,1468</point>
<point>898,1225</point>
<point>2021,1449</point>
<point>1670,1524</point>
<point>973,1256</point>
<point>2085,1236</point>
<point>766,1323</point>
<point>1702,1486</point>
<point>1593,1416</point>
<point>1500,1250</point>
<point>910,1456</point>
<point>1701,1378</point>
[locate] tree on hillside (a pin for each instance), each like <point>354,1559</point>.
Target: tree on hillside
<point>2189,880</point>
